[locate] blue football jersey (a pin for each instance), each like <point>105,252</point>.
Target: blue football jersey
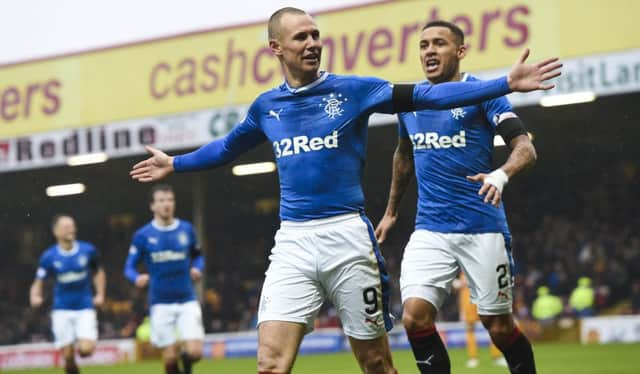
<point>167,253</point>
<point>319,137</point>
<point>72,273</point>
<point>448,146</point>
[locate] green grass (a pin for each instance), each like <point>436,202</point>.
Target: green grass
<point>551,359</point>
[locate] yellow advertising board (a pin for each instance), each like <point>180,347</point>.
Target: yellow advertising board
<point>232,66</point>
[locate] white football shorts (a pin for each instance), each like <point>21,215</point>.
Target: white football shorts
<point>68,326</point>
<point>334,259</point>
<point>175,322</point>
<point>432,261</point>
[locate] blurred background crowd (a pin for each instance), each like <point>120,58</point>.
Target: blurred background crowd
<point>592,233</point>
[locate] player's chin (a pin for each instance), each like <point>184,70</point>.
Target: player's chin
<point>435,76</point>
<point>311,65</point>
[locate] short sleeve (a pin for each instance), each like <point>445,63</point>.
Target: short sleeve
<point>402,126</point>
<point>497,110</point>
<point>195,244</point>
<point>137,245</point>
<point>94,259</point>
<point>44,267</point>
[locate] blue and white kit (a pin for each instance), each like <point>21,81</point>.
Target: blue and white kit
<point>319,136</point>
<point>73,316</point>
<point>455,229</point>
<point>169,253</point>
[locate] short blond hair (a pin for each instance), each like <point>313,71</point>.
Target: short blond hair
<point>274,20</point>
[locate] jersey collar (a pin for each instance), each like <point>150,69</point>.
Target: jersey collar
<point>71,252</point>
<point>309,86</point>
<point>171,227</point>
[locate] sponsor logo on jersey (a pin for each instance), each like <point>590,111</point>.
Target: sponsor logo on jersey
<point>333,105</point>
<point>57,264</point>
<point>168,255</point>
<point>82,260</point>
<point>71,276</point>
<point>152,240</point>
<point>432,140</point>
<point>293,146</point>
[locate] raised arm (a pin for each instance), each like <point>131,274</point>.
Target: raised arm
<point>523,77</point>
<point>403,171</point>
<point>242,138</point>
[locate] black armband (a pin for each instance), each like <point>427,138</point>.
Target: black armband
<point>195,252</point>
<point>94,262</point>
<point>510,128</point>
<point>402,98</point>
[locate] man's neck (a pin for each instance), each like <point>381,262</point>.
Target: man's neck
<point>457,77</point>
<point>65,245</point>
<point>164,222</point>
<point>300,80</point>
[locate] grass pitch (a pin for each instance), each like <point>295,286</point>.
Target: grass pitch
<point>550,358</point>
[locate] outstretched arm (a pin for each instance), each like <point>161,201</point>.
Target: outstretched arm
<point>523,77</point>
<point>402,175</point>
<point>217,153</point>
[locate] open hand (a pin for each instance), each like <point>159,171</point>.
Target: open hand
<point>156,167</point>
<point>525,77</point>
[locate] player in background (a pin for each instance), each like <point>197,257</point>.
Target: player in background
<point>469,315</point>
<point>168,247</point>
<point>73,264</point>
<point>317,124</point>
<point>459,227</point>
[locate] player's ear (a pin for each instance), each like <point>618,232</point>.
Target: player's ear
<point>275,47</point>
<point>462,51</point>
